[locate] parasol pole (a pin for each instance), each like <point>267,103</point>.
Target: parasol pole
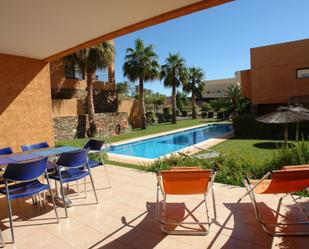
<point>297,131</point>
<point>286,135</point>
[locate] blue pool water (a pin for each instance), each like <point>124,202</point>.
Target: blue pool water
<point>163,145</point>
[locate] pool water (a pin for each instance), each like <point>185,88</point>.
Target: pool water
<point>162,145</point>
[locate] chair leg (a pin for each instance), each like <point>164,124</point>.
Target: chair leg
<point>63,199</point>
<point>77,187</point>
<point>11,219</point>
<point>105,170</point>
<point>85,187</point>
<point>92,183</point>
<point>53,201</point>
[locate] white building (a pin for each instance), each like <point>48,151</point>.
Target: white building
<point>218,88</point>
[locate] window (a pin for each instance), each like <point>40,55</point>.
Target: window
<point>73,72</point>
<point>302,73</point>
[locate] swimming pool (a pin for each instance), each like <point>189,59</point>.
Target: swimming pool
<point>162,145</point>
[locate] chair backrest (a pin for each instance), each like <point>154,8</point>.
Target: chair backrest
<point>185,181</point>
<point>27,147</point>
<point>288,180</point>
<point>93,144</point>
<point>73,159</point>
<point>6,151</point>
<point>25,171</point>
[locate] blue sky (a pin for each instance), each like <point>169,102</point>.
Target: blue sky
<point>219,39</point>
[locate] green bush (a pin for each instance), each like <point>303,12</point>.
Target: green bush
<point>184,113</point>
<point>206,107</point>
<point>164,117</point>
<point>231,168</point>
<point>150,117</point>
<point>245,126</point>
<point>204,114</point>
<point>220,115</point>
<point>210,115</point>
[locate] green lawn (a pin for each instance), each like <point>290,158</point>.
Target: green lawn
<point>153,129</point>
<point>251,149</point>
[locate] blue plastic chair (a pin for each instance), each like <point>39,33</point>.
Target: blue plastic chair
<point>97,147</point>
<point>27,147</point>
<point>6,151</point>
<point>26,174</point>
<point>72,166</point>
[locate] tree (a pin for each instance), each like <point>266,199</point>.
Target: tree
<point>195,85</point>
<point>234,98</point>
<point>123,88</point>
<point>181,100</point>
<point>155,99</point>
<point>89,60</point>
<point>174,73</point>
<point>141,65</point>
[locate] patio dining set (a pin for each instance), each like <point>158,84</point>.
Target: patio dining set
<point>29,173</point>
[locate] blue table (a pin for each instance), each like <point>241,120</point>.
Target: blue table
<point>35,154</point>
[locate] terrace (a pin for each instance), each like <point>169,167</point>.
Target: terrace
<point>125,218</point>
<point>125,215</point>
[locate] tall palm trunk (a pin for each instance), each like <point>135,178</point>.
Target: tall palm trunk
<point>193,105</point>
<point>92,131</point>
<point>174,104</point>
<point>142,103</point>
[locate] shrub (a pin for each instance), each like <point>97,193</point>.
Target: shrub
<point>220,115</point>
<point>166,116</point>
<point>231,168</point>
<point>245,126</point>
<point>210,115</point>
<point>150,118</point>
<point>204,114</point>
<point>206,107</point>
<point>177,113</point>
<point>184,113</point>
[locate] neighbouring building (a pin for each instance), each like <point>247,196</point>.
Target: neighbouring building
<point>69,106</point>
<point>215,89</point>
<point>279,75</point>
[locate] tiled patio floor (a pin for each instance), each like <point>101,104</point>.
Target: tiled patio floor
<point>125,218</point>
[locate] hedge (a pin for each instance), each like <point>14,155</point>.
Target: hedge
<point>245,126</point>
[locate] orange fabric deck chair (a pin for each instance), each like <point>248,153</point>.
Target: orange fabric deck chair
<point>184,181</point>
<point>284,182</point>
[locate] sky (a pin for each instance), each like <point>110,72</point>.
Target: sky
<point>219,39</point>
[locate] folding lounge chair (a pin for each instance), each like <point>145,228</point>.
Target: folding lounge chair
<point>283,182</point>
<point>184,181</point>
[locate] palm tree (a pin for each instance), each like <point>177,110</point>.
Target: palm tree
<point>234,97</point>
<point>174,73</point>
<point>141,64</point>
<point>89,60</point>
<point>194,85</point>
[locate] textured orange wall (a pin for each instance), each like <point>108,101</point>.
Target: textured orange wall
<point>245,83</point>
<point>25,106</point>
<point>273,72</point>
<point>59,81</point>
<point>67,107</point>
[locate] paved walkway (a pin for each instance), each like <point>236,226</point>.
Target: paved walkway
<point>125,218</point>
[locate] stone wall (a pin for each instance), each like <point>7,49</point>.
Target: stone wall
<point>70,127</point>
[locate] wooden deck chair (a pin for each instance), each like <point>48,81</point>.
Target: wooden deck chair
<point>184,181</point>
<point>284,182</point>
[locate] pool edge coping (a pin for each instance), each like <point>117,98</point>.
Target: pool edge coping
<point>188,150</point>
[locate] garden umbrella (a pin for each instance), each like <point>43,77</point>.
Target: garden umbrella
<point>298,109</point>
<point>285,116</point>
